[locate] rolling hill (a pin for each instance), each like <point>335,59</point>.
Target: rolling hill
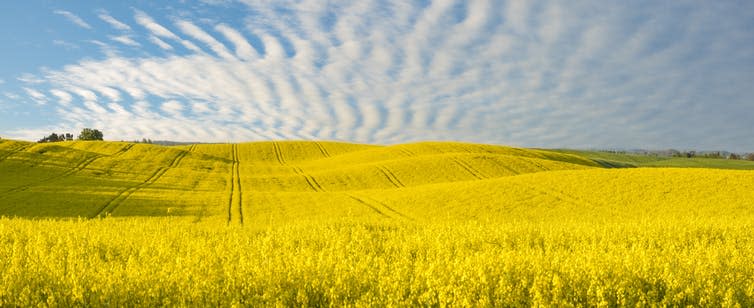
<point>262,182</point>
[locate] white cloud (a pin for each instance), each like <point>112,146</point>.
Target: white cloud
<point>64,98</point>
<point>244,50</point>
<point>147,22</point>
<point>158,30</point>
<point>30,79</point>
<point>199,34</point>
<point>35,95</point>
<point>126,40</point>
<point>11,95</point>
<point>173,107</point>
<point>518,72</point>
<point>65,44</point>
<point>73,18</point>
<point>85,94</point>
<point>113,22</point>
<point>157,41</point>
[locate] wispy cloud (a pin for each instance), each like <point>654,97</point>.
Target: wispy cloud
<point>244,50</point>
<point>161,32</point>
<point>199,34</point>
<point>73,18</point>
<point>64,98</point>
<point>30,79</point>
<point>37,96</point>
<point>532,74</point>
<point>126,40</point>
<point>65,44</point>
<point>117,24</point>
<point>157,41</point>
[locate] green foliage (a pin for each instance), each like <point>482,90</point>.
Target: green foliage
<point>90,134</point>
<point>56,138</point>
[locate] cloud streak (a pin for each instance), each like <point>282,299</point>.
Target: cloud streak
<point>117,24</point>
<point>73,18</point>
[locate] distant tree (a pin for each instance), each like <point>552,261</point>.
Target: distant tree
<point>53,138</point>
<point>713,155</point>
<point>674,153</point>
<point>90,134</point>
<point>68,137</point>
<point>749,156</point>
<point>734,156</point>
<point>690,154</point>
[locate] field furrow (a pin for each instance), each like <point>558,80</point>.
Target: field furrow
<point>475,173</point>
<point>384,205</point>
<point>391,177</point>
<point>77,168</point>
<point>310,180</point>
<point>124,194</point>
<point>367,204</point>
<point>16,149</point>
<point>322,149</point>
<point>239,190</point>
<point>278,153</point>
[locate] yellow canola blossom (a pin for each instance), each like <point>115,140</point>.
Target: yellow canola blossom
<point>338,224</point>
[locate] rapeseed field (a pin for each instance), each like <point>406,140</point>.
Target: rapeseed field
<point>339,224</point>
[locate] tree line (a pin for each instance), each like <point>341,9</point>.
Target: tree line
<point>86,134</point>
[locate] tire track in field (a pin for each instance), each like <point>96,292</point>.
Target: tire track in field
<point>560,196</point>
<point>469,169</point>
<point>80,166</point>
<point>406,152</point>
<point>359,200</point>
<point>278,153</point>
<point>16,150</point>
<point>391,177</point>
<point>124,194</point>
<point>235,189</point>
<point>370,202</point>
<point>322,149</point>
<point>310,180</point>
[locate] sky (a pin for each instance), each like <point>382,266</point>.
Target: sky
<point>551,74</point>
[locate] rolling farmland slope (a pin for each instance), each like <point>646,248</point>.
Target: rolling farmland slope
<point>330,223</point>
<point>220,181</point>
<point>262,182</point>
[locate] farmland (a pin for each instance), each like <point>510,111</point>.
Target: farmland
<point>320,223</point>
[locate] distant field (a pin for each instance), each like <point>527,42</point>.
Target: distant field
<point>616,160</point>
<point>329,223</point>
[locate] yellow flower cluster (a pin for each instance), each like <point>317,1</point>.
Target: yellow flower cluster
<point>158,261</point>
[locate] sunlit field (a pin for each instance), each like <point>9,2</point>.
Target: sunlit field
<point>328,223</point>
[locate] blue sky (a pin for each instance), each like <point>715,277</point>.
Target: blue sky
<point>577,74</point>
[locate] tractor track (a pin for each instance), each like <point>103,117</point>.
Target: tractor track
<point>391,177</point>
<point>124,194</point>
<point>407,152</point>
<point>322,149</point>
<point>16,150</point>
<point>80,166</point>
<point>375,209</point>
<point>469,169</point>
<point>278,153</point>
<point>310,180</point>
<point>235,188</point>
<point>367,200</point>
